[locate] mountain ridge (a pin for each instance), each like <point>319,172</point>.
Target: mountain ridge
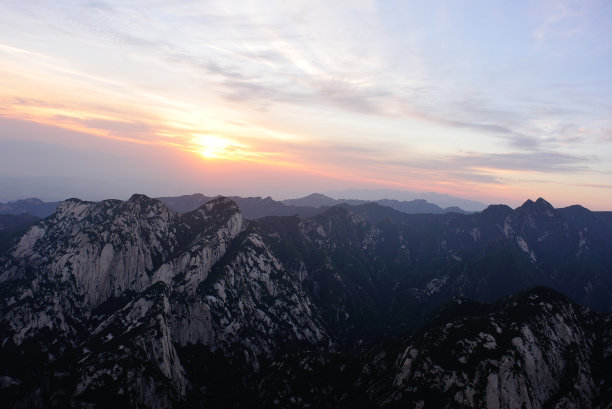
<point>441,199</point>
<point>132,302</point>
<point>33,206</point>
<point>252,207</point>
<point>533,349</point>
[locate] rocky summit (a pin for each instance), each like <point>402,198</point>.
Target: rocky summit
<point>536,349</point>
<point>130,304</point>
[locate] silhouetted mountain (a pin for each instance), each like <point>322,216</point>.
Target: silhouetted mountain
<point>185,203</point>
<point>33,206</point>
<point>256,207</point>
<point>418,206</point>
<point>250,207</point>
<point>412,207</point>
<point>315,200</point>
<point>440,199</point>
<point>374,212</point>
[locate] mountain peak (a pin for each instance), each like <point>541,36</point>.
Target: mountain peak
<point>313,199</point>
<point>539,206</point>
<point>340,209</point>
<point>497,209</point>
<point>220,203</point>
<point>342,212</point>
<point>542,202</point>
<point>139,202</point>
<point>533,299</point>
<point>316,196</point>
<point>140,198</point>
<point>32,201</point>
<point>221,200</point>
<point>136,304</point>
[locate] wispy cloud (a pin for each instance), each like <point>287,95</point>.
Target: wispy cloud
<point>545,162</point>
<point>597,186</point>
<point>399,92</point>
<point>565,19</point>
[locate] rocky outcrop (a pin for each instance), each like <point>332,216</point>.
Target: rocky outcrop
<point>132,304</point>
<point>537,349</point>
<point>107,291</point>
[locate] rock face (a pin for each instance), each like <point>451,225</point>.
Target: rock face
<point>101,295</point>
<point>376,278</point>
<point>132,304</point>
<point>536,349</point>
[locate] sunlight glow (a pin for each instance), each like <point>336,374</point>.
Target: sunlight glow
<point>216,147</point>
<point>366,98</point>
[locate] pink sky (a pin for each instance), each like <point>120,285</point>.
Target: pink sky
<point>285,99</point>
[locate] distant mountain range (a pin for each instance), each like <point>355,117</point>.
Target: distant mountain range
<point>440,199</point>
<point>257,207</point>
<point>33,206</point>
<point>251,207</point>
<point>318,200</point>
<point>132,304</point>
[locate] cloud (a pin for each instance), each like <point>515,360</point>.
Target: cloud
<point>237,90</point>
<point>491,168</point>
<point>37,102</point>
<point>356,89</point>
<point>596,186</point>
<point>112,125</point>
<point>565,18</point>
<point>542,161</point>
<point>263,60</point>
<point>605,135</point>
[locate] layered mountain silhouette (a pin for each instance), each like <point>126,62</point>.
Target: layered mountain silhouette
<point>251,207</point>
<point>318,200</point>
<point>33,206</point>
<point>257,207</point>
<point>131,303</point>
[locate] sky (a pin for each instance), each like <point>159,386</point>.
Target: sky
<point>493,101</point>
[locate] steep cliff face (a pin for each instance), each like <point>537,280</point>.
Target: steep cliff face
<point>130,358</point>
<point>401,267</point>
<point>537,349</point>
<point>534,350</point>
<point>100,295</point>
<point>101,249</point>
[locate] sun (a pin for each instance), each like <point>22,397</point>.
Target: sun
<point>213,146</point>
